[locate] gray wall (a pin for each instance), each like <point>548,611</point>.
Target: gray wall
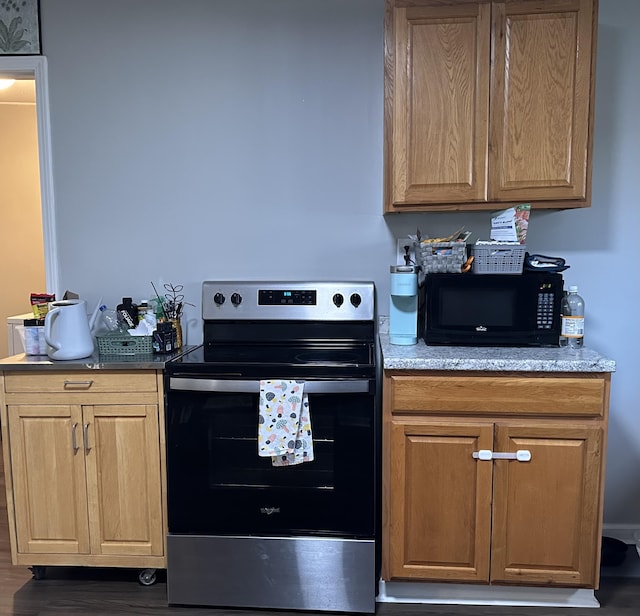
<point>209,139</point>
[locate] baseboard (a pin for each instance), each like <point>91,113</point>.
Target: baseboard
<point>629,533</point>
<point>472,594</point>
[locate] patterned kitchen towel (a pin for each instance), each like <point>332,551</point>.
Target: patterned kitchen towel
<point>284,423</point>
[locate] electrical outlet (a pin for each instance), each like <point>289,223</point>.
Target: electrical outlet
<point>401,242</point>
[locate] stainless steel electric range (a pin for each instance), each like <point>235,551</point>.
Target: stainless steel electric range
<point>244,532</point>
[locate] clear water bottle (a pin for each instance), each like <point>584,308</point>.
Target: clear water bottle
<point>109,322</point>
<point>573,322</point>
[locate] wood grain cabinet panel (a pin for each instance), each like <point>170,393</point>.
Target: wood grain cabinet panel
<point>123,472</point>
<point>541,100</point>
<point>545,514</point>
<point>488,103</point>
<point>74,382</point>
<point>450,515</point>
<point>440,502</point>
<point>49,481</point>
<point>536,395</point>
<point>441,103</point>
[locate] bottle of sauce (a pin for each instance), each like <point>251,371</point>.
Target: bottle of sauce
<point>128,312</point>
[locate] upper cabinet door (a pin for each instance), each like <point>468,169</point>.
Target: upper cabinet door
<point>437,104</point>
<point>541,100</point>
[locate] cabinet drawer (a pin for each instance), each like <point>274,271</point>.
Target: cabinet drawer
<point>94,381</point>
<point>546,396</point>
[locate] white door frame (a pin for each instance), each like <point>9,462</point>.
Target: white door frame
<point>35,67</point>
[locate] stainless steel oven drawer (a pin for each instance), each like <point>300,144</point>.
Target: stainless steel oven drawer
<point>286,573</point>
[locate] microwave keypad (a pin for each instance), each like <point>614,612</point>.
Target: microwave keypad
<point>545,311</point>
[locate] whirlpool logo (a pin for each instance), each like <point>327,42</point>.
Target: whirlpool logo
<point>269,510</point>
<point>481,328</point>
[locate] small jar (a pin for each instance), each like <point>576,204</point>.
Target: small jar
<point>34,342</point>
<point>164,338</point>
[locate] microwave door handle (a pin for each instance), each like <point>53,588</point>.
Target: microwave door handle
<point>253,387</point>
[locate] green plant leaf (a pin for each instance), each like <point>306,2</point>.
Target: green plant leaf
<point>18,45</point>
<point>13,27</point>
<point>4,36</point>
<point>11,37</point>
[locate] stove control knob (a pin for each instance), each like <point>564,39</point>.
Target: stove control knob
<point>356,300</point>
<point>236,299</point>
<point>338,299</point>
<point>218,298</point>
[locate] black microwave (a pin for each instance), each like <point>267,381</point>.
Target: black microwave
<point>492,309</point>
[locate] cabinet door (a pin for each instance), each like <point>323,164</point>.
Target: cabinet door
<point>123,479</point>
<point>546,511</point>
<point>48,475</point>
<point>440,504</point>
<point>541,100</point>
<point>437,100</point>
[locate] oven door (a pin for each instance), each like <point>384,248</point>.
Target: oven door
<point>217,483</point>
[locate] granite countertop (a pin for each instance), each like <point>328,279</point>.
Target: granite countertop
<point>530,359</point>
<point>94,362</point>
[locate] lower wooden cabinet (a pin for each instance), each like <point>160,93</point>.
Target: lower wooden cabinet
<point>460,507</point>
<point>84,468</point>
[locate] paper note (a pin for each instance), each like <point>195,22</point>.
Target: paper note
<point>511,225</point>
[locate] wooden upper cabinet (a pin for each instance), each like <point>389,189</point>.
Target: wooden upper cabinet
<point>540,106</point>
<point>488,103</point>
<point>440,104</point>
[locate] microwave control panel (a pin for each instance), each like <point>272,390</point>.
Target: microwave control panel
<point>544,314</point>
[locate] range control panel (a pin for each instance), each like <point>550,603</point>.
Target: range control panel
<point>323,301</point>
<point>278,297</point>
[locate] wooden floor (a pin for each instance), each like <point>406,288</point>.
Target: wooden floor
<point>99,592</point>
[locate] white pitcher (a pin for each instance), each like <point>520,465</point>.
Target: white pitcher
<point>67,330</point>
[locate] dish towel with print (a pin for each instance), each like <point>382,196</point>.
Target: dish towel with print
<point>284,423</point>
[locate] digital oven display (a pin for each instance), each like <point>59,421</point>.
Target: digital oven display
<point>278,297</point>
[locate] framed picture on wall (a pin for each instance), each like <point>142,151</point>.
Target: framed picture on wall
<point>20,27</point>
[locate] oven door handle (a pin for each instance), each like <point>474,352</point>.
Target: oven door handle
<point>351,386</point>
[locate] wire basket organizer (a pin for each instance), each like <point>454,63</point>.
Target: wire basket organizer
<point>440,257</point>
<point>498,258</point>
<point>124,345</point>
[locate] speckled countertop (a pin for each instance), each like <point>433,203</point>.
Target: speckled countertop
<point>518,359</point>
<point>94,362</point>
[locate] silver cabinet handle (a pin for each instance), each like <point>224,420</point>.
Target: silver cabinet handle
<point>253,387</point>
<point>85,436</point>
<point>522,455</point>
<point>77,384</point>
<point>74,439</point>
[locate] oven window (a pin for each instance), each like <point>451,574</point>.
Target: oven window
<point>217,483</point>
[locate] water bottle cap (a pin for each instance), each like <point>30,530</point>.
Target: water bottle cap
<point>573,288</point>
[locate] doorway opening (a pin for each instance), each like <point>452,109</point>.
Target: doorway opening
<point>27,149</point>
